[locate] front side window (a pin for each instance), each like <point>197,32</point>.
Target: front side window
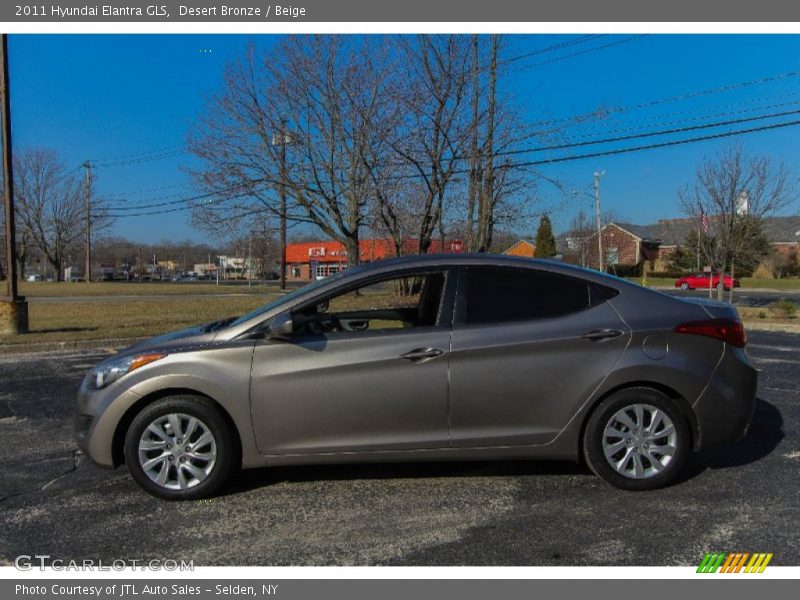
<point>500,295</point>
<point>389,304</point>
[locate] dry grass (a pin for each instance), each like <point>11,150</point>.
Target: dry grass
<point>767,314</point>
<point>122,288</point>
<point>105,319</point>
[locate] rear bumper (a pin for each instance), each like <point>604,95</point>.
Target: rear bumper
<point>725,408</point>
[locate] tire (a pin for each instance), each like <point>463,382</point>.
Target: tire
<point>168,466</point>
<point>637,406</point>
<point>684,286</point>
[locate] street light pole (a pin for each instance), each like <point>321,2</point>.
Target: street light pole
<point>88,225</point>
<point>282,200</point>
<point>597,176</point>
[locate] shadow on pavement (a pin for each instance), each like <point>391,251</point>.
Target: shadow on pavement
<point>764,435</point>
<point>256,478</point>
<point>766,431</point>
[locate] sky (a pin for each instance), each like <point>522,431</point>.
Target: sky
<point>120,101</point>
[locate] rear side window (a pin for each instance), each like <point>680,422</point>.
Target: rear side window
<point>497,295</point>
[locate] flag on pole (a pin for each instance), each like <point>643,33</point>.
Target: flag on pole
<point>703,221</point>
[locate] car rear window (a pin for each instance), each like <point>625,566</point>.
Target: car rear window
<point>498,295</point>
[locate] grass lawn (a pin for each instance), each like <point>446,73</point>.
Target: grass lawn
<point>103,319</point>
<point>124,288</point>
<point>791,284</point>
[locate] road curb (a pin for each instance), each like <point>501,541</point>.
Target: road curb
<point>68,346</point>
<point>774,327</point>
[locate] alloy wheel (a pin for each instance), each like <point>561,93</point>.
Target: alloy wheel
<point>639,441</point>
<point>177,451</point>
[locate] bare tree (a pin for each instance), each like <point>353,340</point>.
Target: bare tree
<point>580,231</point>
<point>733,192</point>
<point>435,136</point>
<point>497,190</point>
<point>323,93</point>
<point>50,206</point>
<point>235,139</point>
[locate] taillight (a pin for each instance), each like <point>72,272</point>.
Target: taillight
<point>729,331</point>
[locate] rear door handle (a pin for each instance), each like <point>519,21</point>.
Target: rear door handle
<point>421,355</point>
<point>601,334</point>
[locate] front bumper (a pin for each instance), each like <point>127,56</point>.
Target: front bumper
<point>97,414</point>
<point>725,408</point>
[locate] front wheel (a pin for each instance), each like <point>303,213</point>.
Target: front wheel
<point>637,439</point>
<point>180,448</point>
<point>684,286</point>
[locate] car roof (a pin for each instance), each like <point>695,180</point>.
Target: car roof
<point>481,259</point>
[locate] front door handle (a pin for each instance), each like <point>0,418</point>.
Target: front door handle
<point>421,355</point>
<point>601,334</point>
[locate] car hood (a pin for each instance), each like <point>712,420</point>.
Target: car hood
<point>192,336</point>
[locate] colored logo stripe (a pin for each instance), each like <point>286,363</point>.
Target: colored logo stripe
<point>758,563</point>
<point>711,562</point>
<point>734,562</point>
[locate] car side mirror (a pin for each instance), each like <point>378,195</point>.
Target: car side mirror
<point>282,327</point>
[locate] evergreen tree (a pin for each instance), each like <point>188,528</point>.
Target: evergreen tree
<point>545,241</point>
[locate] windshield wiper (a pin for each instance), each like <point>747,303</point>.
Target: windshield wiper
<point>214,326</point>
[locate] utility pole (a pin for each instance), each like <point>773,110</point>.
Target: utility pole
<point>87,265</point>
<point>282,207</point>
<point>597,176</point>
<point>13,308</point>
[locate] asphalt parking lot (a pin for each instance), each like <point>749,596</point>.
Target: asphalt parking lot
<point>742,497</point>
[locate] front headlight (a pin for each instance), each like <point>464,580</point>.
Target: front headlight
<point>108,372</point>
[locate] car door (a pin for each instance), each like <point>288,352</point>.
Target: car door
<point>376,382</point>
<point>528,349</point>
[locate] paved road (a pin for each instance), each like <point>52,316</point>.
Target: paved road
<point>743,497</point>
<point>743,297</point>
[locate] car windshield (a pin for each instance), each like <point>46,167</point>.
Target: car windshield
<point>310,287</point>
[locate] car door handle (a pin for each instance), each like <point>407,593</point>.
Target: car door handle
<point>420,355</point>
<point>601,334</point>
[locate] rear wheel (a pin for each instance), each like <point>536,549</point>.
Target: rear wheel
<point>180,448</point>
<point>637,439</point>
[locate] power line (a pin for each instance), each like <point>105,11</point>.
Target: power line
<point>560,46</point>
<point>659,101</point>
<point>138,161</point>
<point>152,202</point>
<point>577,54</point>
<point>622,138</point>
<point>147,191</point>
<point>517,165</point>
<point>658,119</point>
<point>211,200</point>
<point>653,146</point>
<point>137,155</point>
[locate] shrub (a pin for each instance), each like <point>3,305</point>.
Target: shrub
<point>786,307</point>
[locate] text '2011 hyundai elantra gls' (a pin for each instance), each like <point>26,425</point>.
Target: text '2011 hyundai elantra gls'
<point>428,358</point>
